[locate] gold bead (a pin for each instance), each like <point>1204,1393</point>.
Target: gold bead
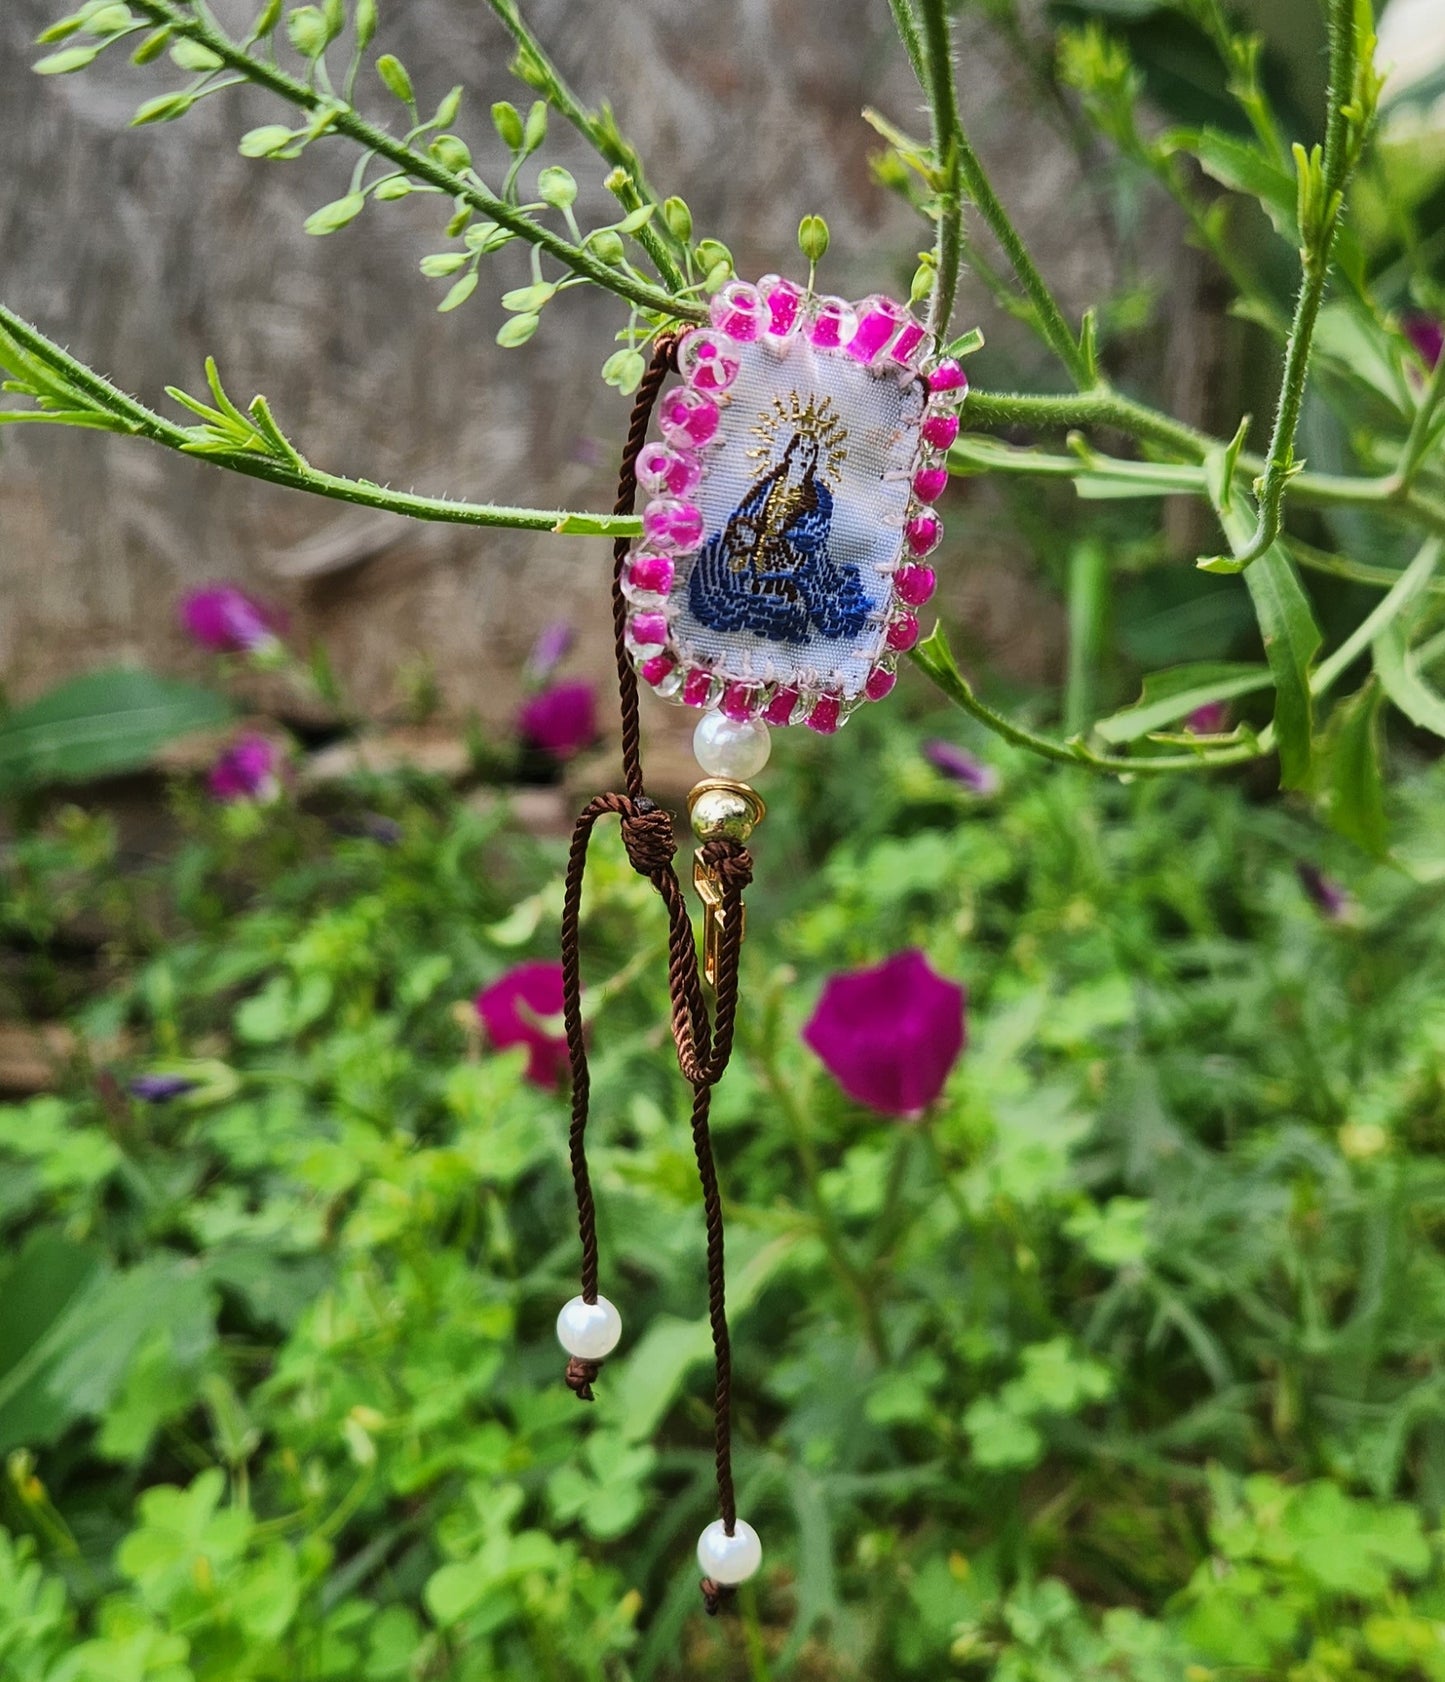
<point>724,811</point>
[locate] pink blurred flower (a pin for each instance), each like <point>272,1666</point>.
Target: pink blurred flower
<point>1212,719</point>
<point>228,621</point>
<point>249,769</point>
<point>1334,902</point>
<point>1427,334</point>
<point>512,1009</point>
<point>561,720</point>
<point>960,766</point>
<point>889,1035</point>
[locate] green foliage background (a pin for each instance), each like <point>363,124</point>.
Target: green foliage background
<point>1125,1363</point>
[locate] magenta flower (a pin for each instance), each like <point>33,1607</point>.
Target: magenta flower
<point>960,766</point>
<point>250,769</point>
<point>160,1089</point>
<point>889,1035</point>
<point>561,720</point>
<point>1427,334</point>
<point>1212,719</point>
<point>228,621</point>
<point>512,1010</point>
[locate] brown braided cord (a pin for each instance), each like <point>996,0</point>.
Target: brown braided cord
<point>703,1044</point>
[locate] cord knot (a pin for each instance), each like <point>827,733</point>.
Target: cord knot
<point>580,1376</point>
<point>648,837</point>
<point>714,1595</point>
<point>729,862</point>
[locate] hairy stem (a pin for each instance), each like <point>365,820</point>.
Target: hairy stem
<point>598,128</point>
<point>1315,257</point>
<point>115,411</point>
<point>947,161</point>
<point>421,165</point>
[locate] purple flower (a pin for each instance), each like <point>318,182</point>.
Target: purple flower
<point>159,1089</point>
<point>250,769</point>
<point>561,720</point>
<point>228,621</point>
<point>890,1035</point>
<point>1334,902</point>
<point>553,645</point>
<point>960,766</point>
<point>510,1010</point>
<point>1212,719</point>
<point>1427,334</point>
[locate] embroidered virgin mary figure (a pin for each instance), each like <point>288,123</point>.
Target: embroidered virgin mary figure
<point>770,569</point>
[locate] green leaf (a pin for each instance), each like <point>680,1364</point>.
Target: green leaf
<point>1349,784</point>
<point>1243,168</point>
<point>528,300</point>
<point>557,186</point>
<point>39,1290</point>
<point>1172,695</point>
<point>62,63</point>
<point>1000,1438</point>
<point>165,108</point>
<point>534,131</point>
<point>395,79</point>
<point>335,215</point>
<point>98,725</point>
<point>441,263</point>
<point>813,238</point>
<point>450,152</point>
<point>507,120</point>
<point>192,55</point>
<point>152,47</point>
<point>365,24</point>
<point>397,187</point>
<point>518,330</point>
<point>1291,641</point>
<point>265,142</point>
<point>308,31</point>
<point>446,112</point>
<point>460,293</point>
<point>1395,666</point>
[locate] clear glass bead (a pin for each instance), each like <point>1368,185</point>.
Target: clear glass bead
<point>734,748</point>
<point>729,1559</point>
<point>589,1330</point>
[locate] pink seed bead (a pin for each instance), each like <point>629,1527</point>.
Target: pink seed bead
<point>687,418</point>
<point>656,668</point>
<point>910,335</point>
<point>929,483</point>
<point>880,682</point>
<point>939,431</point>
<point>877,320</point>
<point>706,363</point>
<point>922,533</point>
<point>739,701</point>
<point>832,324</point>
<point>914,585</point>
<point>651,573</point>
<point>648,628</point>
<point>824,716</point>
<point>660,468</point>
<point>780,708</point>
<point>697,687</point>
<point>948,376</point>
<point>784,299</point>
<point>672,524</point>
<point>903,633</point>
<point>737,311</point>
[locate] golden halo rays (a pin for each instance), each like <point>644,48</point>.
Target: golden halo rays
<point>815,418</point>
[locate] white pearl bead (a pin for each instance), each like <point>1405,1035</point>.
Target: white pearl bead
<point>589,1330</point>
<point>729,1559</point>
<point>730,747</point>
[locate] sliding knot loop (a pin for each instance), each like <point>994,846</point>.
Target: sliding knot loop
<point>714,1594</point>
<point>648,837</point>
<point>580,1377</point>
<point>730,862</point>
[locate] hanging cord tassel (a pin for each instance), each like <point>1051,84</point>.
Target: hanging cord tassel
<point>703,1045</point>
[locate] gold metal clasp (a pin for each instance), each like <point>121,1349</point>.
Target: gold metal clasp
<point>720,810</point>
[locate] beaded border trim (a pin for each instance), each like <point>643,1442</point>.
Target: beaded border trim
<point>890,343</point>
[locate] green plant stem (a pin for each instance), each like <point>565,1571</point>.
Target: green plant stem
<point>828,1230</point>
<point>598,128</point>
<point>906,23</point>
<point>1418,442</point>
<point>421,165</point>
<point>126,415</point>
<point>1410,583</point>
<point>1315,258</point>
<point>948,146</point>
<point>1106,408</point>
